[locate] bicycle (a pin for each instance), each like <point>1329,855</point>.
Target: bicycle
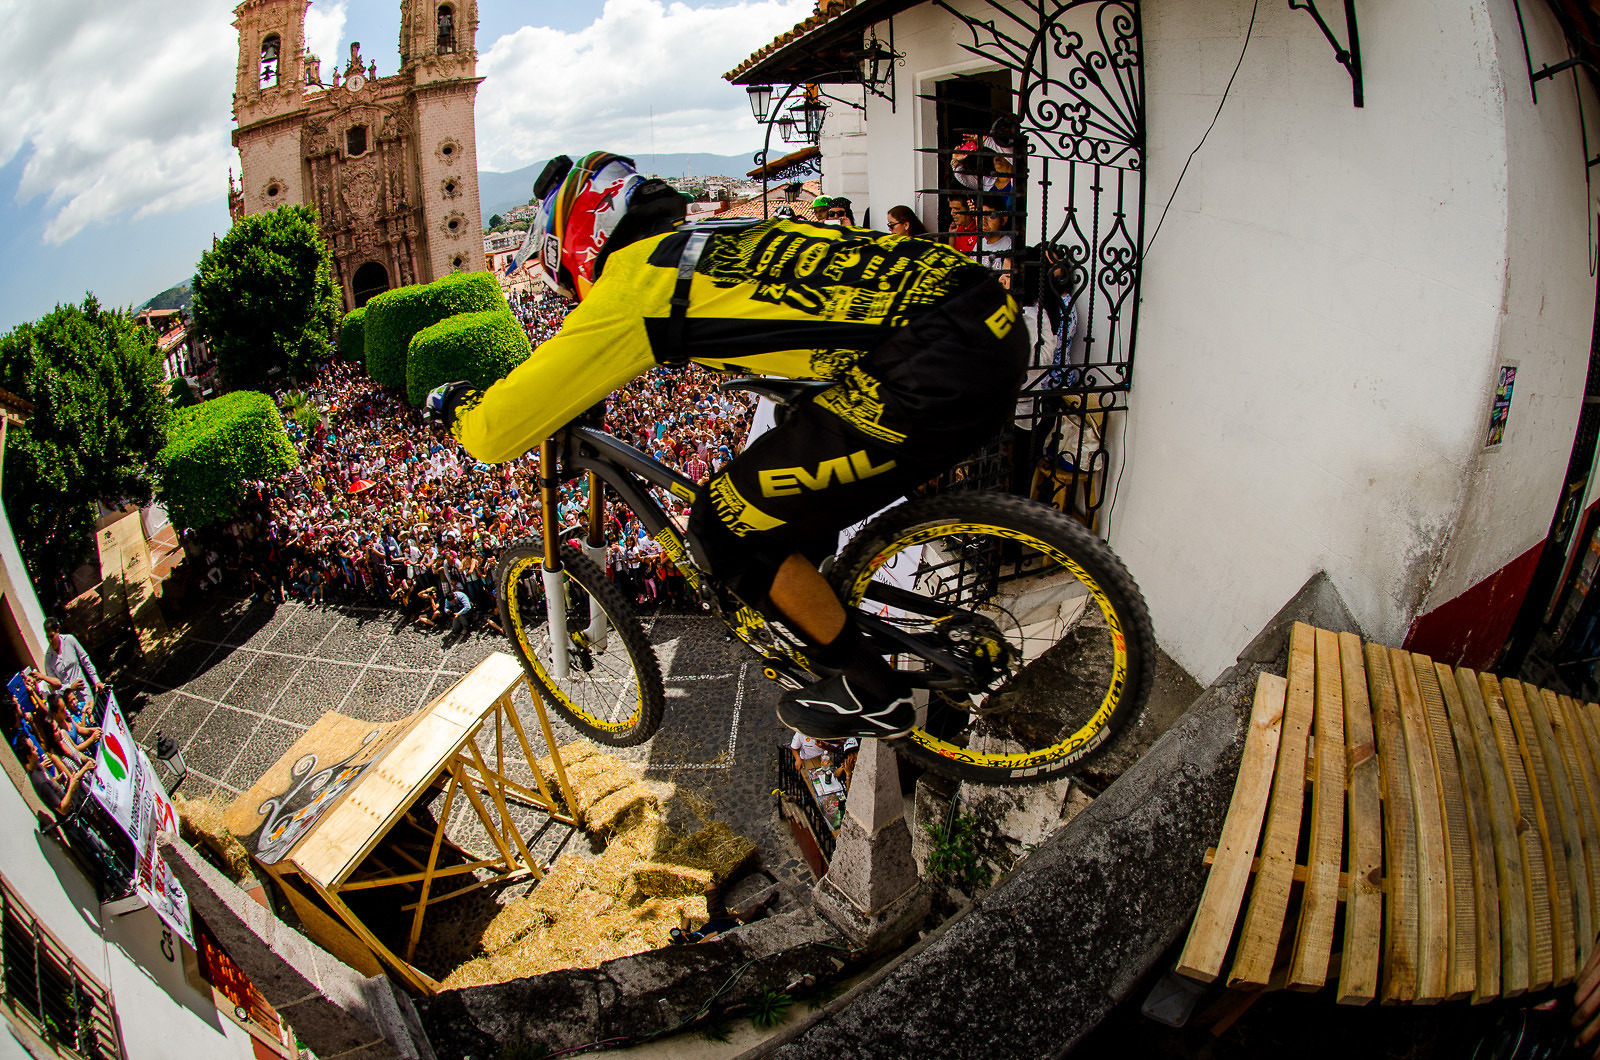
<point>1026,640</point>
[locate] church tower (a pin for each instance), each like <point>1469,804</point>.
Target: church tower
<point>389,163</point>
<point>268,101</point>
<point>439,52</point>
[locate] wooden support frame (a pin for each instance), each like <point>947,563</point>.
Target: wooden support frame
<point>438,748</point>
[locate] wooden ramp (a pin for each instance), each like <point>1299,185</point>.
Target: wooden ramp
<point>340,842</point>
<point>1406,830</point>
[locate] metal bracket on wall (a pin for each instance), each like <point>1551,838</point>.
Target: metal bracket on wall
<point>1348,57</point>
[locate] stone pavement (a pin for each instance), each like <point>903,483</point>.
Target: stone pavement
<point>250,679</point>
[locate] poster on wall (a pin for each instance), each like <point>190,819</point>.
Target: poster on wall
<point>1500,408</point>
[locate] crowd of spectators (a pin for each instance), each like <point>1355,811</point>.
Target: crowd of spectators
<point>387,508</point>
<point>53,722</point>
<point>540,314</point>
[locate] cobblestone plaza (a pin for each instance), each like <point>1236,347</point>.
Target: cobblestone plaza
<point>249,680</point>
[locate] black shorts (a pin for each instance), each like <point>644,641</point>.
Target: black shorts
<point>909,409</point>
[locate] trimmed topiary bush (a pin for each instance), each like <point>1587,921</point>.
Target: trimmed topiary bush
<point>478,347</point>
<point>353,335</point>
<point>213,449</point>
<point>394,317</point>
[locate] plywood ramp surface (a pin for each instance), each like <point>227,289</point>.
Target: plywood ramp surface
<point>1411,831</point>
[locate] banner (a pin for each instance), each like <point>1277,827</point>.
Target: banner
<point>128,787</point>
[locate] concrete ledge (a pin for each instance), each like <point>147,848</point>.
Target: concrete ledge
<point>1034,965</point>
<point>642,994</point>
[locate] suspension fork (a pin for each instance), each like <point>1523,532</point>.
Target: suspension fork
<point>594,546</point>
<point>555,590</point>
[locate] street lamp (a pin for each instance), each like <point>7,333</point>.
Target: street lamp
<point>168,752</point>
<point>760,96</point>
<point>811,115</point>
<point>786,128</point>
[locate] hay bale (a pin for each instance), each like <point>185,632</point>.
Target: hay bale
<point>661,880</point>
<point>642,835</point>
<point>200,824</point>
<point>514,921</point>
<point>476,972</point>
<point>571,754</point>
<point>715,848</point>
<point>605,815</point>
<point>595,778</point>
<point>551,895</point>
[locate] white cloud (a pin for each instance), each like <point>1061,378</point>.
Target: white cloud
<point>546,92</point>
<point>116,105</point>
<point>324,28</point>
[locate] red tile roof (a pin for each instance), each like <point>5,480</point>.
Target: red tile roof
<point>777,197</point>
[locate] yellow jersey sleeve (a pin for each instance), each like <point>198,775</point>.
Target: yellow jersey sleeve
<point>601,346</point>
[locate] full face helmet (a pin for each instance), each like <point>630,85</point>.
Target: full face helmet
<point>587,209</point>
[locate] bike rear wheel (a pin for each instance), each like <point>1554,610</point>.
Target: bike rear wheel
<point>1038,610</point>
<point>612,692</point>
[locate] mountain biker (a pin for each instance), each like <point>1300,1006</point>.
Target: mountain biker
<point>925,350</point>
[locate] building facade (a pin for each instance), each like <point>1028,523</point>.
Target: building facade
<point>1333,314</point>
<point>389,163</point>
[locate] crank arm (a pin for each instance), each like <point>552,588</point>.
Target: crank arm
<point>895,639</point>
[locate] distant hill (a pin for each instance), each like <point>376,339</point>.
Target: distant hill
<point>180,296</point>
<point>499,192</point>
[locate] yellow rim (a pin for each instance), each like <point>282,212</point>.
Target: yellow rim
<point>529,656</point>
<point>1093,731</point>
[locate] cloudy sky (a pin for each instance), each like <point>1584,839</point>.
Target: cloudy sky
<point>115,114</point>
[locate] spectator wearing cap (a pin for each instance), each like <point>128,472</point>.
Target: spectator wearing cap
<point>839,212</point>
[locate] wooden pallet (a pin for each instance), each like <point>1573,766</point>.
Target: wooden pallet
<point>1454,816</point>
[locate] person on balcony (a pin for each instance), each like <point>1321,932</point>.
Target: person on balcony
<point>66,663</point>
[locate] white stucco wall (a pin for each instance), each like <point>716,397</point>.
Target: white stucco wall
<point>1546,318</point>
<point>1326,304</point>
<point>159,1015</point>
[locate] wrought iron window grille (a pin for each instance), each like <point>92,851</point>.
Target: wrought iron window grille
<point>1074,139</point>
<point>1347,56</point>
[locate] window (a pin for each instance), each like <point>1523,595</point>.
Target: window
<point>449,189</point>
<point>457,261</point>
<point>269,61</point>
<point>273,191</point>
<point>447,29</point>
<point>44,989</point>
<point>355,140</point>
<point>454,224</point>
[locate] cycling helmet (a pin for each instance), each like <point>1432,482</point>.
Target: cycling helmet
<point>587,209</point>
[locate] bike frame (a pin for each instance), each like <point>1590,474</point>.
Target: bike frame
<point>581,449</point>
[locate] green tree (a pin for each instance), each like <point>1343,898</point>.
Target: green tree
<point>181,394</point>
<point>214,449</point>
<point>265,296</point>
<point>100,414</point>
<point>494,221</point>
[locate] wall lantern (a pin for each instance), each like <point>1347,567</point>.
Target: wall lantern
<point>811,113</point>
<point>760,97</point>
<point>877,62</point>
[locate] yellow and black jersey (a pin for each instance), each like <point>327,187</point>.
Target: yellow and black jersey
<point>779,297</point>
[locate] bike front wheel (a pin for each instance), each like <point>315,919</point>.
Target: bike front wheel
<point>612,691</point>
<point>1046,628</point>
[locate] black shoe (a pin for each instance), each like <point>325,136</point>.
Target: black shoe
<point>830,710</point>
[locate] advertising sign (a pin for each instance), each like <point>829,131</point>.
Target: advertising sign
<point>124,771</point>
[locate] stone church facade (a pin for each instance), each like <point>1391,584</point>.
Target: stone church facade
<point>390,164</point>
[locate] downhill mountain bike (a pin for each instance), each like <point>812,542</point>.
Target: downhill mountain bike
<point>1025,639</point>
